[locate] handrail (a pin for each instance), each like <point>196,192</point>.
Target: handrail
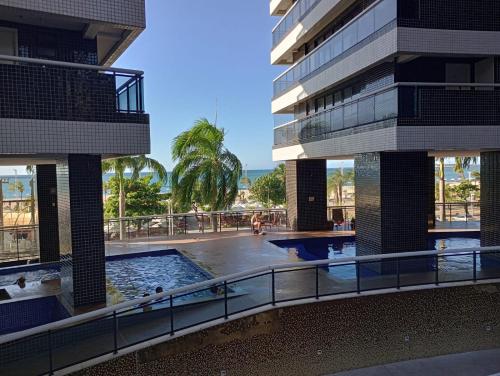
<point>70,65</point>
<point>231,277</point>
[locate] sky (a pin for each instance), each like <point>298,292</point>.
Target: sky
<point>201,57</point>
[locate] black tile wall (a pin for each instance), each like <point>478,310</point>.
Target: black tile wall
<point>306,194</point>
<point>391,202</point>
<point>490,199</point>
<point>81,229</point>
<point>56,93</point>
<point>431,191</point>
<point>454,15</point>
<point>47,212</point>
<point>437,106</point>
<point>53,44</point>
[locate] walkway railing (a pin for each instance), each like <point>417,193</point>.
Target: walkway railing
<point>192,223</point>
<point>115,329</point>
<point>18,243</point>
<point>453,212</point>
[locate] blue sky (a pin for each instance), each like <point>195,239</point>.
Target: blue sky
<point>198,52</point>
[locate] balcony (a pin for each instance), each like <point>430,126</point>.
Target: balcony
<point>407,104</point>
<point>292,18</point>
<point>279,7</point>
<point>54,90</point>
<point>352,35</point>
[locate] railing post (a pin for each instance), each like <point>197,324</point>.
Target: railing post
<point>115,332</point>
<point>317,281</point>
<point>398,274</point>
<point>171,315</point>
<point>51,360</point>
<point>273,288</point>
<point>437,271</point>
<point>185,225</point>
<point>237,221</point>
<point>474,263</point>
<point>225,301</point>
<point>17,244</point>
<point>358,278</point>
<point>148,228</point>
<point>220,222</point>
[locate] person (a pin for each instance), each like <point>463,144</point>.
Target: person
<point>159,290</point>
<point>146,307</point>
<point>256,221</point>
<point>194,207</point>
<point>21,282</point>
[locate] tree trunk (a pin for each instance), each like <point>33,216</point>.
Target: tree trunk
<point>121,211</point>
<point>442,187</point>
<point>32,201</point>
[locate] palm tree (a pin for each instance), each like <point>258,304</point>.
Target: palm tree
<point>461,164</point>
<point>136,165</point>
<point>336,182</point>
<point>206,170</point>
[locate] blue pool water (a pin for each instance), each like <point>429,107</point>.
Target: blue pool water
<point>310,249</point>
<point>133,277</point>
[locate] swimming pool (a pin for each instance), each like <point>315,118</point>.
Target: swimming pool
<point>132,276</point>
<point>311,249</point>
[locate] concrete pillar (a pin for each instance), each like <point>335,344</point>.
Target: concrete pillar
<point>490,199</point>
<point>431,186</point>
<point>81,230</point>
<point>391,202</point>
<point>306,194</point>
<point>48,228</point>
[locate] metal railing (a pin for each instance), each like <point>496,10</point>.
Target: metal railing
<point>19,243</point>
<point>192,223</point>
<point>294,15</point>
<point>113,330</point>
<point>454,212</point>
<point>357,30</point>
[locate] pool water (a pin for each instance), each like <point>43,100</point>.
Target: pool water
<point>311,249</point>
<point>133,277</point>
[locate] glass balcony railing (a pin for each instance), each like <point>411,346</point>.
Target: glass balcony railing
<point>365,25</point>
<point>412,104</point>
<point>291,19</point>
<point>375,107</point>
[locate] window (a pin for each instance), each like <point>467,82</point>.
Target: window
<point>8,41</point>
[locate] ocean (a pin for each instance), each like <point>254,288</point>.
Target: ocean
<point>11,194</point>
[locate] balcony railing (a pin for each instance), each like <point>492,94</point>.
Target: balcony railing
<point>296,13</point>
<point>56,90</point>
<point>417,104</point>
<point>371,108</point>
<point>155,319</point>
<point>358,30</point>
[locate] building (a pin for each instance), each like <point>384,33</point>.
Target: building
<point>392,84</point>
<point>63,108</point>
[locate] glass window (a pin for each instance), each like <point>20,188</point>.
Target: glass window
<point>338,118</point>
<point>366,25</point>
<point>350,36</point>
<point>366,110</point>
<point>337,45</point>
<point>338,98</point>
<point>385,12</point>
<point>329,101</point>
<point>350,115</point>
<point>386,105</point>
<point>347,94</point>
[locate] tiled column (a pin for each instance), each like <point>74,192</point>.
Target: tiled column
<point>490,199</point>
<point>81,230</point>
<point>306,194</point>
<point>48,228</point>
<point>391,202</point>
<point>431,186</point>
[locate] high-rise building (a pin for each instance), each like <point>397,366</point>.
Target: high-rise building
<point>63,108</point>
<point>392,84</point>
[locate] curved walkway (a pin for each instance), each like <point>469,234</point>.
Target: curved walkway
<point>480,363</point>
